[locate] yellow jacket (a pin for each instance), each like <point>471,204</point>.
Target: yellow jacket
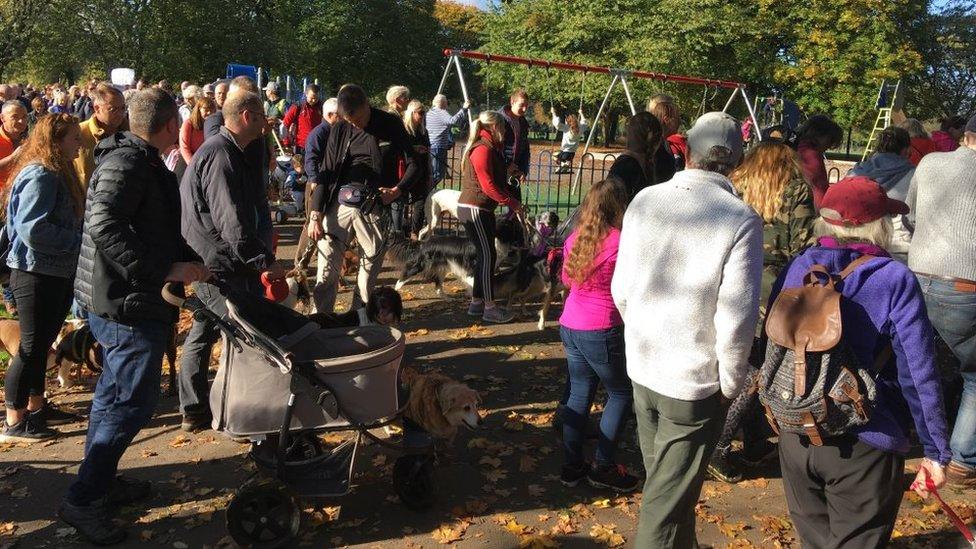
<point>91,134</point>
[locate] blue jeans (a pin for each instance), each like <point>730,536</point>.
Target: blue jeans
<point>953,315</point>
<point>438,164</point>
<point>595,356</point>
<point>124,401</point>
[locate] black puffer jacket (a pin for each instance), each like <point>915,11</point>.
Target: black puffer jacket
<point>132,233</point>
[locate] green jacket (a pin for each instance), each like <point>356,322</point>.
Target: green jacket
<point>787,234</point>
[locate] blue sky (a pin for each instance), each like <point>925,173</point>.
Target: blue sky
<point>479,3</point>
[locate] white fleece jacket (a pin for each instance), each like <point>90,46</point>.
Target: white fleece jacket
<point>687,283</point>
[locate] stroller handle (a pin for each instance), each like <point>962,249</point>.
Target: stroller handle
<point>169,296</point>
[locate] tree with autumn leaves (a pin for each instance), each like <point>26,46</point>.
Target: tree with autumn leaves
<point>826,55</point>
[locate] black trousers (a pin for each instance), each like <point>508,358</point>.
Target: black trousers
<point>42,303</point>
<point>842,494</point>
<point>479,225</point>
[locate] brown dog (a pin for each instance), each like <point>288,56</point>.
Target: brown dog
<point>10,340</point>
<point>440,405</point>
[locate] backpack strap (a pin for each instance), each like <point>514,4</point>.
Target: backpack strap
<point>853,265</point>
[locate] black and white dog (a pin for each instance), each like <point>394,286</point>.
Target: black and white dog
<point>432,259</point>
<point>532,276</point>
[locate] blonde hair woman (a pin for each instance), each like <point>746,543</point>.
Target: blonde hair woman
<point>414,118</point>
<point>397,98</point>
<point>484,186</point>
<point>769,180</point>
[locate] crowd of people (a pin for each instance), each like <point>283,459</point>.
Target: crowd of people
<point>674,266</point>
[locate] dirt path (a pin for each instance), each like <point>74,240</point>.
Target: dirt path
<point>497,487</point>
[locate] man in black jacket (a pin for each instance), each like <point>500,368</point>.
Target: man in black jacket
<point>359,168</point>
<point>130,247</point>
<point>226,219</point>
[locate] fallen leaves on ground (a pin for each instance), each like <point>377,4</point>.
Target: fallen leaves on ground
<point>607,535</point>
<point>417,333</point>
<point>537,541</point>
<point>527,463</point>
<point>732,529</point>
<point>179,442</point>
<point>514,422</point>
<point>447,534</point>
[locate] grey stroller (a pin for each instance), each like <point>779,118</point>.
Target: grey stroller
<point>283,381</point>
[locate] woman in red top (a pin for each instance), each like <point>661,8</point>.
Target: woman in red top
<point>817,136</point>
<point>483,188</point>
<point>922,144</point>
<point>191,132</point>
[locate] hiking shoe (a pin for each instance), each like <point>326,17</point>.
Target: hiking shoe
<point>193,423</point>
<point>127,490</point>
<point>498,315</point>
<point>614,477</point>
<point>721,468</point>
<point>573,474</point>
<point>755,455</point>
<point>26,430</point>
<point>49,415</point>
<point>93,522</point>
<point>960,476</point>
<point>476,309</point>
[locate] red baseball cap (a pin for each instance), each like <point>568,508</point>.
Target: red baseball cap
<point>857,200</point>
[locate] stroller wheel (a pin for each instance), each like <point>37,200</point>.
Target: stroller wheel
<point>263,514</point>
<point>413,481</point>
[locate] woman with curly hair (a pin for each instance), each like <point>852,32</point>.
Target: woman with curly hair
<point>44,212</point>
<point>593,336</point>
<point>771,181</point>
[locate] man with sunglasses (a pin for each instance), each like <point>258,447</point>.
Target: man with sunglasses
<point>226,220</point>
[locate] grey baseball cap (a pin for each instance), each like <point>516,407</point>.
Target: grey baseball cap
<point>272,86</point>
<point>716,129</point>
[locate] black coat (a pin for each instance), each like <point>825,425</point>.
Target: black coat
<point>132,235</point>
<point>226,216</point>
<point>388,142</point>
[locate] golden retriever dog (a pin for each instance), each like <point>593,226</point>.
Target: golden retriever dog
<point>440,405</point>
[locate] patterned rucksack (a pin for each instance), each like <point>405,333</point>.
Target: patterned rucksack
<point>811,383</point>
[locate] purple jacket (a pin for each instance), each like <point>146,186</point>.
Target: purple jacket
<point>883,301</point>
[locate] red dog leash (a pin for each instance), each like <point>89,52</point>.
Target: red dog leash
<point>956,520</point>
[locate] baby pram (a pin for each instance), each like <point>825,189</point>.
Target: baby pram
<point>282,381</point>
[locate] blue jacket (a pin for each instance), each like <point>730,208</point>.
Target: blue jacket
<point>439,123</point>
<point>314,151</point>
<point>883,302</point>
<point>45,233</point>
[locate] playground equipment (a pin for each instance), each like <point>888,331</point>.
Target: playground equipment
<point>891,100</point>
<point>621,77</point>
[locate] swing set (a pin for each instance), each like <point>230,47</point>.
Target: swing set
<point>621,77</point>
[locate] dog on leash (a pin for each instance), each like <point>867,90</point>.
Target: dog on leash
<point>432,259</point>
<point>10,340</point>
<point>531,277</point>
<point>439,404</point>
<point>444,200</point>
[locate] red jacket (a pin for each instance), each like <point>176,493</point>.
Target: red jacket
<point>814,171</point>
<point>305,118</point>
<point>921,146</point>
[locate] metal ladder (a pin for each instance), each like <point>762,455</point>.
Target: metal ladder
<point>882,122</point>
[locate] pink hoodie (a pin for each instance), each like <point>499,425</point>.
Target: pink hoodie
<point>590,305</point>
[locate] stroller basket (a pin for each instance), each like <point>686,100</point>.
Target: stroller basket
<point>359,367</point>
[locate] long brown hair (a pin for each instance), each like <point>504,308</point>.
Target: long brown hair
<point>43,147</point>
<point>602,209</point>
<point>763,176</point>
<point>196,116</point>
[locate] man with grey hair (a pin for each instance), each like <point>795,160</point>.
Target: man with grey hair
<point>7,92</point>
<point>13,132</point>
<point>131,246</point>
<point>689,358</point>
<point>226,219</point>
<point>440,124</point>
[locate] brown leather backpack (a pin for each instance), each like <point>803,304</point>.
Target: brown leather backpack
<point>811,382</point>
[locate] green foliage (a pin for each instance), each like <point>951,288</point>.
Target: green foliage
<point>947,83</point>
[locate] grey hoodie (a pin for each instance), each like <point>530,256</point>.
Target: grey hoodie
<point>894,173</point>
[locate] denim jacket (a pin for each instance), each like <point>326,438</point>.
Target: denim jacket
<point>45,233</point>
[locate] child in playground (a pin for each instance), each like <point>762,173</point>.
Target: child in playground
<point>295,182</point>
<point>573,130</point>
